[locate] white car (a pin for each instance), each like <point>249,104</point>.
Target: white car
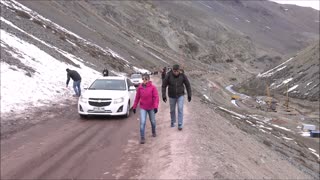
<point>136,79</point>
<point>111,95</point>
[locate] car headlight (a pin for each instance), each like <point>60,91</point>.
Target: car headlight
<point>118,100</point>
<point>83,99</point>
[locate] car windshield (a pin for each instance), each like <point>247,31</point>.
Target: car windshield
<point>136,76</point>
<point>108,84</point>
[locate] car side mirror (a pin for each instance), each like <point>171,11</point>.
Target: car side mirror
<point>132,88</point>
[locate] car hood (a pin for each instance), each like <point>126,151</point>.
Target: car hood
<point>103,94</point>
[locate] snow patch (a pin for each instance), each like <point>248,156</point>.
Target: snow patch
<point>16,5</point>
<point>277,68</point>
<point>286,138</point>
<point>206,97</point>
<point>48,83</point>
<point>305,134</point>
<point>158,57</point>
<point>260,118</point>
<point>284,82</point>
<point>73,44</point>
<point>292,88</point>
<point>231,112</point>
<point>234,102</point>
<point>115,55</point>
<point>236,117</point>
<point>263,130</point>
<point>205,5</point>
<point>64,53</point>
<point>265,127</point>
<point>280,127</point>
<point>314,152</point>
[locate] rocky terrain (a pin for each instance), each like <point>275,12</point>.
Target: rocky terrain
<point>299,76</point>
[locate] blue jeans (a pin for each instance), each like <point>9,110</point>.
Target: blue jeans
<point>143,118</point>
<point>173,102</point>
<point>76,87</point>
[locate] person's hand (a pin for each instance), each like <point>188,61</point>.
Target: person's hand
<point>134,111</point>
<point>164,99</point>
<point>189,98</point>
<point>155,110</point>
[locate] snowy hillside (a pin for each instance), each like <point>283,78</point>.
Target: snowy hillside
<point>33,71</point>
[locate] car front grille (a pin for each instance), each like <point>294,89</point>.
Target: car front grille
<point>100,102</point>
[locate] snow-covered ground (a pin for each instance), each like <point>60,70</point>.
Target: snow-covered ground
<point>48,83</point>
<point>21,89</point>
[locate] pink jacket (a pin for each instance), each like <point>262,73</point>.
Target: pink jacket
<point>148,97</point>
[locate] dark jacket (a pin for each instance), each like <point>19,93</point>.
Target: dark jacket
<point>74,75</point>
<point>175,85</point>
<point>105,72</point>
<point>163,73</point>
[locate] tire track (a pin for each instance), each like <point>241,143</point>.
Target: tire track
<point>32,164</point>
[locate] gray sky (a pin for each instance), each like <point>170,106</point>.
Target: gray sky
<point>306,3</point>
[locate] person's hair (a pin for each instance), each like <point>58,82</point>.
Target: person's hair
<point>175,67</point>
<point>146,76</point>
<point>67,69</point>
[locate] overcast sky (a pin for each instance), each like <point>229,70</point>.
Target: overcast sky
<point>307,3</point>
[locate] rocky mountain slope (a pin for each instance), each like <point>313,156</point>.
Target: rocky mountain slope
<point>299,75</point>
<point>210,33</point>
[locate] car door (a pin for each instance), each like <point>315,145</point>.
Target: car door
<point>132,94</point>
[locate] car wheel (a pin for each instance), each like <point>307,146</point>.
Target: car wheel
<point>128,110</point>
<point>83,116</point>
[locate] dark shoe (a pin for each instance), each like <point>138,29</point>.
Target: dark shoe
<point>142,141</point>
<point>154,135</point>
<point>179,128</point>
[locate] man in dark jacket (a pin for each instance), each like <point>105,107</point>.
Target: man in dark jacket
<point>105,72</point>
<point>163,73</point>
<point>75,76</point>
<point>176,82</point>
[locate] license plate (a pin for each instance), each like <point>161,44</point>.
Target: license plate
<point>98,108</point>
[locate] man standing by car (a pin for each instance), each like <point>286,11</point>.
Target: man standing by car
<point>176,82</point>
<point>75,76</point>
<point>105,72</point>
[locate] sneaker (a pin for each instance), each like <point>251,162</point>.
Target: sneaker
<point>172,125</point>
<point>154,135</point>
<point>179,128</point>
<point>75,95</point>
<point>142,141</point>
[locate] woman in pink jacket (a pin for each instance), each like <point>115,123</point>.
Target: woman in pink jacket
<point>147,94</point>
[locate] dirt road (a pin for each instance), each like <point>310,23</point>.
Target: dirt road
<point>61,146</point>
<point>67,147</point>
